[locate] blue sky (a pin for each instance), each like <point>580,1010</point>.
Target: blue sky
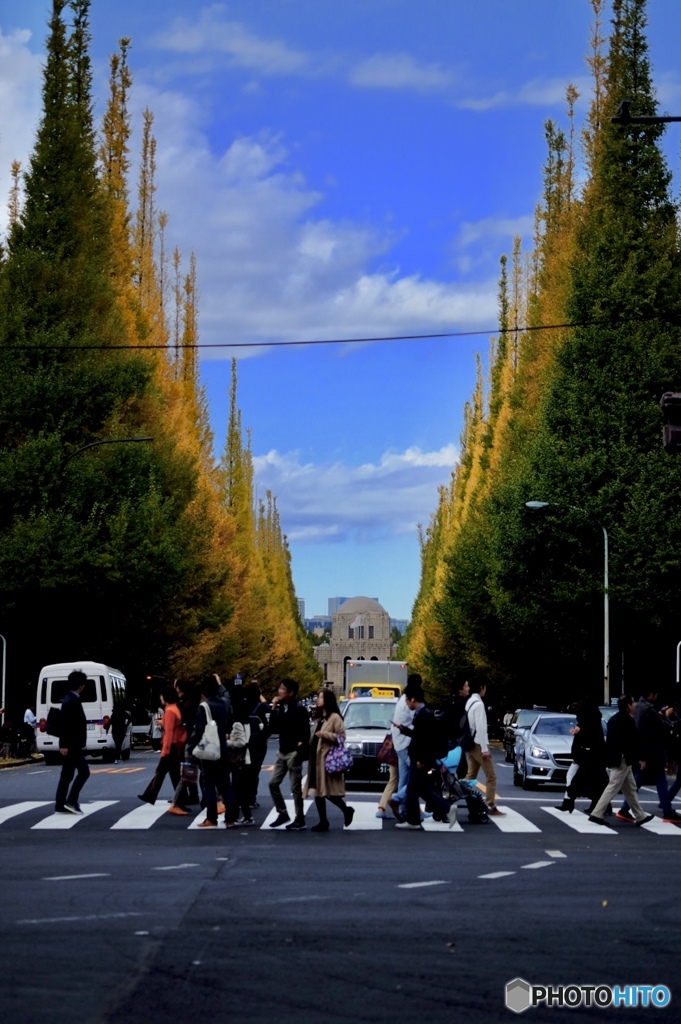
<point>342,169</point>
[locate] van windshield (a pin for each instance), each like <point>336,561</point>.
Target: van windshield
<point>60,687</point>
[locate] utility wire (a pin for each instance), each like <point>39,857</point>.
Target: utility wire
<point>338,341</point>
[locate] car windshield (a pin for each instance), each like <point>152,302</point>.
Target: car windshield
<point>525,718</point>
<point>375,715</point>
<point>555,726</point>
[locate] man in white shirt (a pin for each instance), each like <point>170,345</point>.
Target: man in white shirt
<point>480,756</point>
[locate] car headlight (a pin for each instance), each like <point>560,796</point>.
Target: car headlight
<point>539,752</point>
<point>354,748</point>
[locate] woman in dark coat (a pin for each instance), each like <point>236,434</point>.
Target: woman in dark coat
<point>588,753</point>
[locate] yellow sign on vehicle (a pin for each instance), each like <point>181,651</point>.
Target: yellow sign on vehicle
<point>369,690</point>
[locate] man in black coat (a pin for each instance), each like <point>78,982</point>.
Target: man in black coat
<point>423,754</point>
<point>622,752</point>
<point>72,740</point>
<point>292,722</point>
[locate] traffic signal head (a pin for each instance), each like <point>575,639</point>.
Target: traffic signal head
<point>670,403</point>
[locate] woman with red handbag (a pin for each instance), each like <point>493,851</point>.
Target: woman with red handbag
<point>321,784</point>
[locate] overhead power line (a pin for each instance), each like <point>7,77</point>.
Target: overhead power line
<point>610,324</point>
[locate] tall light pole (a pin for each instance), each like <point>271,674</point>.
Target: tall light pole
<point>535,505</point>
<point>4,666</point>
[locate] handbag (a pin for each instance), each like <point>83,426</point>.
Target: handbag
<point>189,772</point>
<point>339,758</point>
<point>237,744</point>
<point>208,747</point>
<point>386,752</point>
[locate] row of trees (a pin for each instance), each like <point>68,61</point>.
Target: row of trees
<point>570,415</point>
<point>148,555</point>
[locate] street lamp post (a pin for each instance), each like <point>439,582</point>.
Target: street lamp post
<point>535,505</point>
<point>4,666</point>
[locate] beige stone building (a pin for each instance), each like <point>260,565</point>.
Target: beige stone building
<point>360,629</point>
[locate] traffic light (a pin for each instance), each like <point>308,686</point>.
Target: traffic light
<point>670,403</point>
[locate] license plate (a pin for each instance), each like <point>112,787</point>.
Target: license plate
<point>90,727</point>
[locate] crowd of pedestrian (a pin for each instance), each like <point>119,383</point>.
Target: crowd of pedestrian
<point>213,742</point>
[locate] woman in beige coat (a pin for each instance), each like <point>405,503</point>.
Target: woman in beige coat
<point>321,785</point>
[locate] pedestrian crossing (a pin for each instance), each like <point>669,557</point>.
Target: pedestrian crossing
<point>113,815</point>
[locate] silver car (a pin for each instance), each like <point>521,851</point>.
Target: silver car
<point>367,720</point>
<point>542,753</point>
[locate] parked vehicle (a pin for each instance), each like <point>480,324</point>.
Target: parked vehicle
<point>367,720</point>
<point>105,687</point>
<point>521,719</point>
<point>543,751</point>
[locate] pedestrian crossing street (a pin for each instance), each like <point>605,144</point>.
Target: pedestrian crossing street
<point>39,815</point>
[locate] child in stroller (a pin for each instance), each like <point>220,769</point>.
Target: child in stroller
<point>455,789</point>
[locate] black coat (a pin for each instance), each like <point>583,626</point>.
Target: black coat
<point>219,714</point>
<point>622,740</point>
<point>425,737</point>
<point>293,724</point>
<point>73,724</point>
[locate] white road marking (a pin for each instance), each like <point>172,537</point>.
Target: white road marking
<point>513,821</point>
<point>662,828</point>
<point>84,917</point>
<point>70,878</point>
<point>365,819</point>
<point>430,825</point>
<point>497,874</point>
<point>291,812</point>
<point>579,822</point>
<point>554,853</point>
<point>62,821</point>
<point>141,817</point>
<point>421,885</point>
<point>537,864</point>
<point>26,805</point>
<point>176,867</point>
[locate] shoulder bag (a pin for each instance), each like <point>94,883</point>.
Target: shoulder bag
<point>208,747</point>
<point>339,758</point>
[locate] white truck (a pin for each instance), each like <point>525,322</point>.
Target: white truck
<point>370,678</point>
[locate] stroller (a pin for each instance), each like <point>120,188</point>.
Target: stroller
<point>455,789</point>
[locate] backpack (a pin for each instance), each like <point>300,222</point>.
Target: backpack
<point>465,738</point>
<point>441,741</point>
<point>53,722</point>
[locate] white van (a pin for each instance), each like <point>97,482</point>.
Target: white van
<point>105,687</point>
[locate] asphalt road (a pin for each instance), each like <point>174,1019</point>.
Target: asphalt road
<point>120,918</point>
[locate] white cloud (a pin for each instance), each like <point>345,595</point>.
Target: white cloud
<point>20,85</point>
<point>212,33</point>
<point>336,502</point>
<point>400,71</point>
<point>538,92</point>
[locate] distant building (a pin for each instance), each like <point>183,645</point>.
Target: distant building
<point>301,607</point>
<point>336,602</point>
<point>400,625</point>
<point>322,622</point>
<point>360,629</point>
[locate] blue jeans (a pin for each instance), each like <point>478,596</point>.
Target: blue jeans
<point>400,796</point>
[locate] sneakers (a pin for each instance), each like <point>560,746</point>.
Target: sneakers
<point>597,821</point>
<point>243,822</point>
<point>207,824</point>
<point>644,821</point>
<point>176,810</point>
<point>673,816</point>
<point>380,813</point>
<point>625,815</point>
<point>321,826</point>
<point>297,825</point>
<point>407,824</point>
<point>495,812</point>
<point>281,819</point>
<point>72,808</point>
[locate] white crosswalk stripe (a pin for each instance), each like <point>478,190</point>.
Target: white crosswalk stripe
<point>63,821</point>
<point>148,816</point>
